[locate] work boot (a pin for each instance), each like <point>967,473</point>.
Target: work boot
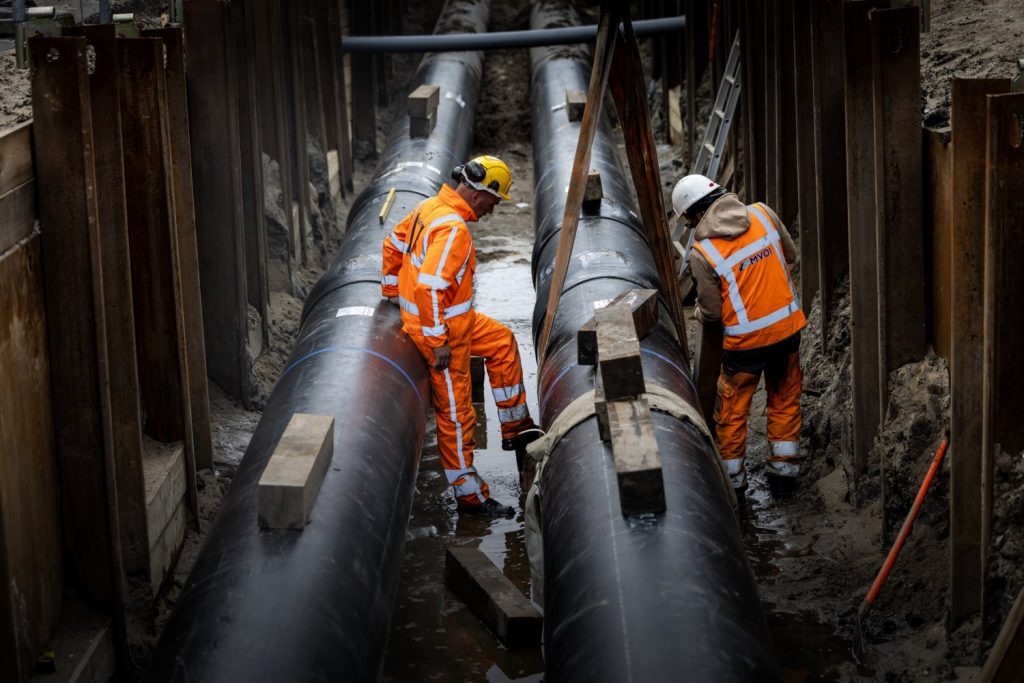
<point>489,508</point>
<point>782,478</point>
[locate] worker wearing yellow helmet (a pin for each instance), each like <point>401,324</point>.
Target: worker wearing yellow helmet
<point>428,266</point>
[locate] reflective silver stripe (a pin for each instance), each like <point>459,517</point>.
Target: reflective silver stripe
<point>399,244</point>
<point>518,412</point>
<point>455,418</point>
<point>447,218</point>
<point>447,250</point>
<point>408,306</point>
<point>432,281</point>
<point>433,303</point>
<point>730,278</point>
<point>506,393</point>
<point>733,466</point>
<point>435,331</point>
<point>746,251</point>
<point>784,447</point>
<point>389,279</point>
<point>462,270</point>
<point>764,321</point>
<point>784,468</point>
<point>769,226</point>
<point>416,261</point>
<point>458,309</point>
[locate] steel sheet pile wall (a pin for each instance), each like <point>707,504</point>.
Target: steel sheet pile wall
<point>315,604</point>
<point>626,599</point>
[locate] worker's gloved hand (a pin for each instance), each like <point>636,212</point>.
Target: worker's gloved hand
<point>442,358</point>
<point>391,300</point>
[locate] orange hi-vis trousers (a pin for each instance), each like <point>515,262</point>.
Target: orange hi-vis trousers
<point>783,384</point>
<point>473,334</point>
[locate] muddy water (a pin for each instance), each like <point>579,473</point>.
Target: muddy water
<point>781,551</point>
<point>434,636</point>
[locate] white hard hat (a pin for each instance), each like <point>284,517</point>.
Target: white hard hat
<point>691,190</point>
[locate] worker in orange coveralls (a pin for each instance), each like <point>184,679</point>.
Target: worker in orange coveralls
<point>740,263</point>
<point>429,261</point>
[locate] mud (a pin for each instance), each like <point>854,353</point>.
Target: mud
<point>968,39</point>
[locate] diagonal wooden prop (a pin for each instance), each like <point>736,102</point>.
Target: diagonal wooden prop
<point>620,70</point>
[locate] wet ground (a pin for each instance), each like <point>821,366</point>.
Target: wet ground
<point>434,636</point>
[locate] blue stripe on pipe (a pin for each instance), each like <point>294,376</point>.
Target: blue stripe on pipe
<point>330,349</point>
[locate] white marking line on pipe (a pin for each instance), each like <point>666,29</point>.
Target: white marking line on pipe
<point>457,97</point>
<point>354,310</point>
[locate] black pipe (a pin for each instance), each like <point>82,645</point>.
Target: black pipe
<point>315,605</point>
<point>502,40</point>
<point>660,597</point>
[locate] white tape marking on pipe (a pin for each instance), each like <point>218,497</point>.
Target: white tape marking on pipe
<point>457,97</point>
<point>354,310</point>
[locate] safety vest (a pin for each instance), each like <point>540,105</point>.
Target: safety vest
<point>436,288</point>
<point>759,302</point>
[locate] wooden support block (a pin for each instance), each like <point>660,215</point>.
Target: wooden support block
<point>292,478</point>
<point>637,460</point>
<point>478,377</point>
<point>967,285</point>
<point>492,597</point>
<point>618,353</point>
<point>164,470</point>
<point>644,305</point>
<point>594,193</point>
<point>575,102</point>
<point>423,101</point>
<point>422,126</point>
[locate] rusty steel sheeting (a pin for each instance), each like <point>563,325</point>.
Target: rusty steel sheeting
<point>769,102</point>
<point>863,245</point>
<point>216,172</point>
<point>753,98</point>
<point>80,371</point>
<point>298,116</point>
<point>896,77</point>
<point>895,40</point>
<point>829,122</point>
<point>786,89</point>
<point>156,285</point>
<point>117,293</point>
<point>967,272</point>
<point>185,230</point>
<point>807,170</point>
<point>1002,371</point>
<point>243,49</point>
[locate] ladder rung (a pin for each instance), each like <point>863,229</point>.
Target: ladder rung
<point>720,113</point>
<point>729,79</point>
<point>709,147</point>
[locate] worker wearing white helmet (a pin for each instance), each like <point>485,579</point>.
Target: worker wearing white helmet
<point>740,264</point>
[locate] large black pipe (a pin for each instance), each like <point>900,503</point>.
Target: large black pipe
<point>315,605</point>
<point>503,40</point>
<point>666,597</point>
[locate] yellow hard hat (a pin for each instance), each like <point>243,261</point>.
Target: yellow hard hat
<point>487,173</point>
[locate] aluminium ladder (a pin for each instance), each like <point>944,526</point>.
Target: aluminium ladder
<point>715,136</point>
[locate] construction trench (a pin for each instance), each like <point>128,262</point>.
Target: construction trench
<point>700,591</point>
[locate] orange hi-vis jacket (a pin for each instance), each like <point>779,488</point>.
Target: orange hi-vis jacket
<point>759,306</point>
<point>435,288</point>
